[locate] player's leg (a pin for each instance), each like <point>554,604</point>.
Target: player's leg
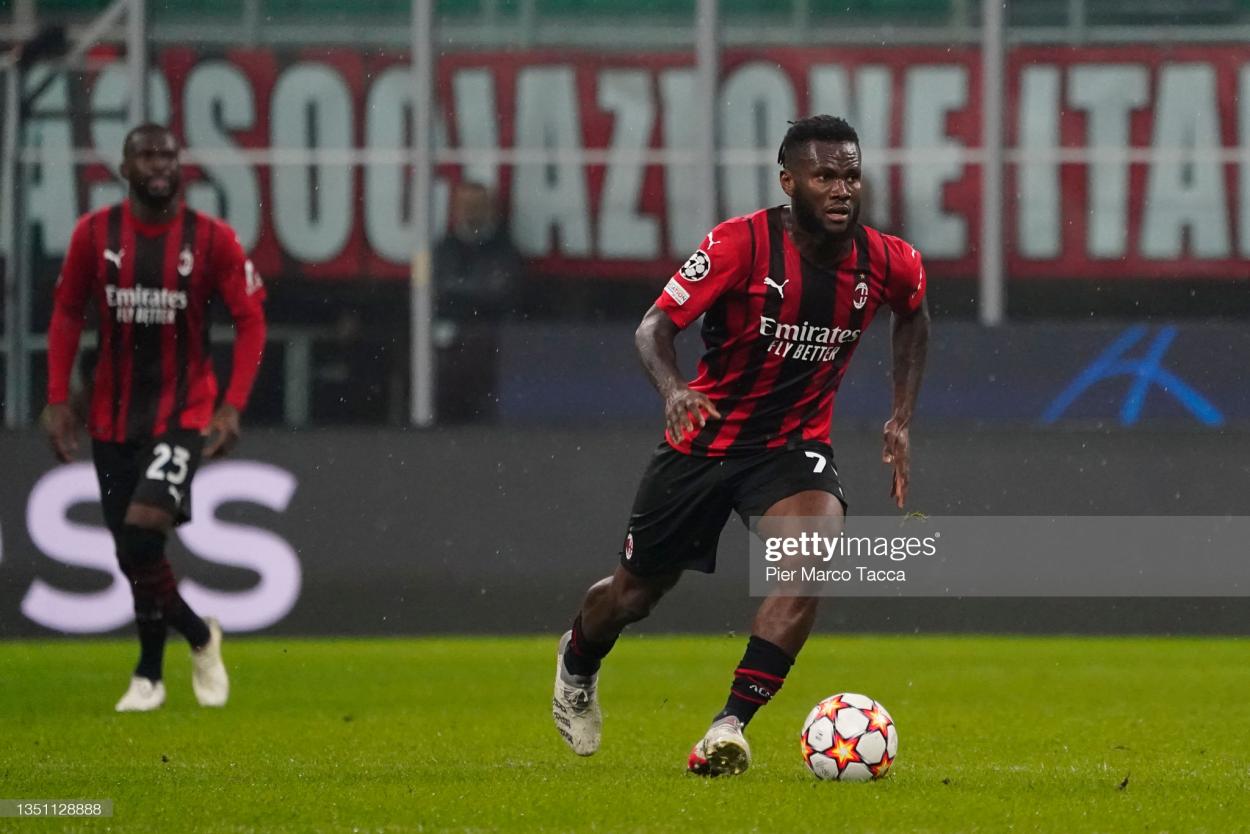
<point>610,605</point>
<point>161,500</point>
<point>117,469</point>
<point>811,502</point>
<point>145,534</point>
<point>678,514</point>
<point>783,622</point>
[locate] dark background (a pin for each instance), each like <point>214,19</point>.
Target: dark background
<point>470,530</point>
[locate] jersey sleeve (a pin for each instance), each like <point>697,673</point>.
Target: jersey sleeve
<point>723,262</point>
<point>240,286</point>
<point>69,306</point>
<point>905,285</point>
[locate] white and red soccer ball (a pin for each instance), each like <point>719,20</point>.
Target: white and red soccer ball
<point>849,738</point>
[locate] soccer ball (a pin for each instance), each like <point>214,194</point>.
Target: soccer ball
<point>849,738</point>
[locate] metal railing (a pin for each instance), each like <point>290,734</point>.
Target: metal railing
<point>297,361</point>
<point>708,33</point>
<point>13,243</point>
<point>1061,21</point>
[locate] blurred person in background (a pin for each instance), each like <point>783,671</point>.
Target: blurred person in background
<point>152,266</point>
<point>477,273</point>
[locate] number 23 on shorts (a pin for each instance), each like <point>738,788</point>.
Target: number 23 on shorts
<point>169,463</point>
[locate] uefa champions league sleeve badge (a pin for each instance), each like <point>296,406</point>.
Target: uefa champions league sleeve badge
<point>696,267</point>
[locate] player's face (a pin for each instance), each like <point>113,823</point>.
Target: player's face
<point>824,187</point>
<point>471,203</point>
<point>472,210</point>
<point>150,164</point>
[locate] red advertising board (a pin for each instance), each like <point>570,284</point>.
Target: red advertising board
<point>1121,161</point>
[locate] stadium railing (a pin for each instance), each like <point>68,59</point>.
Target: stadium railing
<point>528,22</point>
<point>297,343</point>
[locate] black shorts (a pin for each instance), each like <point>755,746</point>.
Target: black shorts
<point>155,472</point>
<point>684,501</point>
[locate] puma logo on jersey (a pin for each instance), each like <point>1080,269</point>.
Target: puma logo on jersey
<point>114,258</point>
<point>780,288</point>
<point>711,241</point>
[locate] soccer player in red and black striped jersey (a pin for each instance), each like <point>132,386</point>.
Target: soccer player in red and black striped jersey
<point>152,267</point>
<point>784,295</point>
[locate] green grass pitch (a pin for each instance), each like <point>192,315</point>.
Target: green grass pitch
<point>997,734</point>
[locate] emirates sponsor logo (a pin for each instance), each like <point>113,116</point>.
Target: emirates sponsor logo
<point>805,342</point>
<point>144,305</point>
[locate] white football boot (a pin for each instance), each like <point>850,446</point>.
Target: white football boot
<point>575,706</point>
<point>143,696</point>
<point>208,673</point>
<point>723,750</point>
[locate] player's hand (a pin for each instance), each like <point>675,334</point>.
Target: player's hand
<point>686,410</point>
<point>62,428</point>
<point>223,431</point>
<point>897,452</point>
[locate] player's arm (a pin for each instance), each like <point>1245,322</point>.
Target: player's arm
<point>722,264</point>
<point>69,306</point>
<point>244,293</point>
<point>684,409</point>
<point>909,340</point>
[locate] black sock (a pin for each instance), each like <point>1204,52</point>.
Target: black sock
<point>139,552</point>
<point>187,622</point>
<point>757,679</point>
<point>583,656</point>
<point>151,646</point>
<point>153,584</point>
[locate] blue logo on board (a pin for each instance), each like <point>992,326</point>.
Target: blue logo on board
<point>1145,372</point>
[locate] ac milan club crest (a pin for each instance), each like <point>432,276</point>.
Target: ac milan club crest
<point>186,262</point>
<point>860,296</point>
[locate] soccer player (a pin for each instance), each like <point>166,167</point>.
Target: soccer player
<point>784,294</point>
<point>152,266</point>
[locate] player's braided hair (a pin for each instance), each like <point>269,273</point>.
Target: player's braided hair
<point>819,128</point>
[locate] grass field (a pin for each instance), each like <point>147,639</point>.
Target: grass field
<point>997,734</point>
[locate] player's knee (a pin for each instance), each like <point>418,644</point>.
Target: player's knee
<point>138,547</point>
<point>636,600</point>
<point>149,518</point>
<point>633,606</point>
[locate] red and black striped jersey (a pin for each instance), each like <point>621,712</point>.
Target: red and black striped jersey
<point>779,330</point>
<point>152,286</point>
